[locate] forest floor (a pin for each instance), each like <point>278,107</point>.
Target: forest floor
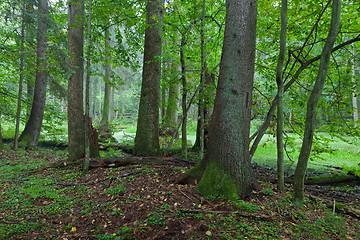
<point>42,197</point>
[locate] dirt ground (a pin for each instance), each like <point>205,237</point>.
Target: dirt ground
<point>144,202</point>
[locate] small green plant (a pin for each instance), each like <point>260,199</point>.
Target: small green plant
<point>118,190</point>
<point>246,207</point>
<point>268,191</point>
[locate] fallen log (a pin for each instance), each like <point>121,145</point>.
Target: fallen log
<point>329,180</point>
<point>338,207</point>
<point>126,161</point>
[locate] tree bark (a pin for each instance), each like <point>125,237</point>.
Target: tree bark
<point>226,170</point>
<point>31,133</point>
<point>280,105</point>
<point>312,103</point>
<point>147,133</point>
<point>76,121</point>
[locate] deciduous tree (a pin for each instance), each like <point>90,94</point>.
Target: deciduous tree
<point>312,103</point>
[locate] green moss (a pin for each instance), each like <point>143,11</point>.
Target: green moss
<point>216,182</point>
<point>25,140</point>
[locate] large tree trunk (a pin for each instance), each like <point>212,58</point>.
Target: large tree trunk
<point>147,133</point>
<point>226,169</point>
<point>312,103</point>
<point>76,121</point>
<point>280,106</point>
<point>31,133</point>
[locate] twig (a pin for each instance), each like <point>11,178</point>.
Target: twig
<point>241,214</point>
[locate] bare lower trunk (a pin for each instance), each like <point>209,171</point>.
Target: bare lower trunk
<point>312,103</point>
<point>147,133</point>
<point>76,120</point>
<point>225,169</point>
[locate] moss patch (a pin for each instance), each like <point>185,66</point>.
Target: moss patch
<point>216,182</point>
<point>25,140</point>
<point>192,176</point>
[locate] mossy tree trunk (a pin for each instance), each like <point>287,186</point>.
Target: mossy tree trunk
<point>147,133</point>
<point>226,169</point>
<point>76,121</point>
<point>312,103</point>
<point>31,133</point>
<point>280,105</point>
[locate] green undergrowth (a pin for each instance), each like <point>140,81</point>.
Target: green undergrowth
<point>327,152</point>
<point>138,202</point>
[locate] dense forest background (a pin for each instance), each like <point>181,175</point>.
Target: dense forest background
<point>222,85</point>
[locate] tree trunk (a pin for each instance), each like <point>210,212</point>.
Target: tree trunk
<point>91,143</point>
<point>76,121</point>
<point>1,142</point>
<point>226,170</point>
<point>107,94</point>
<point>280,105</point>
<point>208,110</point>
<point>31,133</point>
<point>29,36</point>
<point>183,100</point>
<point>147,133</point>
<point>202,88</point>
<point>18,112</point>
<point>354,97</point>
<point>171,115</point>
<point>312,103</point>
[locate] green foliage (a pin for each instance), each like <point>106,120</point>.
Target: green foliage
<point>245,206</point>
<point>115,191</point>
